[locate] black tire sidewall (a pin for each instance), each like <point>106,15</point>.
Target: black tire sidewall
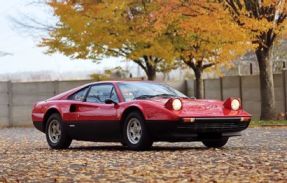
<point>64,141</point>
<point>215,143</point>
<point>145,140</point>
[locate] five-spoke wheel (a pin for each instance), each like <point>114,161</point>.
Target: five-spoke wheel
<point>135,132</point>
<point>56,134</point>
<point>54,131</point>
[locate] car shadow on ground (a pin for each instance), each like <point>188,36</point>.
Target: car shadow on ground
<point>122,148</point>
<point>169,148</point>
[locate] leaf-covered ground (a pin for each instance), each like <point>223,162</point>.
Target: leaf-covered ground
<point>260,155</point>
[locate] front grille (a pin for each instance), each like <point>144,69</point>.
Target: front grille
<point>210,125</point>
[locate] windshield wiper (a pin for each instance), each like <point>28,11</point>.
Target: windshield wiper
<point>152,96</point>
<point>165,95</point>
<point>144,96</point>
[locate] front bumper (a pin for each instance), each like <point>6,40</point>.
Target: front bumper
<point>198,129</point>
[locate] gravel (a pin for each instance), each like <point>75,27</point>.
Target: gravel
<point>260,155</point>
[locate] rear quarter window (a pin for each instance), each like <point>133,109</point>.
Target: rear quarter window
<point>79,95</point>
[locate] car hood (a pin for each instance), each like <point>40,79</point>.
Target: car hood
<point>203,108</point>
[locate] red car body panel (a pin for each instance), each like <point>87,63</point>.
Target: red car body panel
<point>153,110</point>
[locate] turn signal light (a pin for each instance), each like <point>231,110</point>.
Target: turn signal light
<point>243,119</point>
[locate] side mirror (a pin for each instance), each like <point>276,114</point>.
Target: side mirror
<point>110,101</point>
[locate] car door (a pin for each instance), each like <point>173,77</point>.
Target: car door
<point>97,120</point>
<point>70,115</point>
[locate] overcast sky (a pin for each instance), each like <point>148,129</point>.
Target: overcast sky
<point>26,56</point>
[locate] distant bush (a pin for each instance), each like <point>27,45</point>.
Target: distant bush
<point>115,73</point>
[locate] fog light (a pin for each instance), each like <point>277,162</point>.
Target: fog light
<point>242,119</point>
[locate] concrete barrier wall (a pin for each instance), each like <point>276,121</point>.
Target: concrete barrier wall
<point>251,95</point>
<point>279,92</point>
<point>24,95</point>
<point>17,99</point>
<point>212,89</point>
<point>67,85</point>
<point>4,104</point>
<point>231,87</point>
<point>190,87</point>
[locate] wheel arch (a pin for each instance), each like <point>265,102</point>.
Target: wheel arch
<point>129,110</point>
<point>48,113</point>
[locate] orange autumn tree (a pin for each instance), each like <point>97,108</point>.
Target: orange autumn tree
<point>89,29</point>
<point>264,21</point>
<point>201,35</point>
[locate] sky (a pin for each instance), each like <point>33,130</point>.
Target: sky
<point>22,44</point>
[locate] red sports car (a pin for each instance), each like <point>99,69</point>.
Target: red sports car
<point>136,114</point>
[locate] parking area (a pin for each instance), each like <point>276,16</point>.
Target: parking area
<point>259,155</point>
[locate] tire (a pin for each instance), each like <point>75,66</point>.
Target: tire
<point>215,143</point>
<point>56,134</point>
<point>135,132</point>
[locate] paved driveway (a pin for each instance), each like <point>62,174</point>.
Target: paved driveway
<point>260,155</point>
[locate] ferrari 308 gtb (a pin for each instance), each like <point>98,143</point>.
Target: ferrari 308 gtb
<point>136,113</point>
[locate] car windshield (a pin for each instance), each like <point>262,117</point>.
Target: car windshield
<point>143,90</point>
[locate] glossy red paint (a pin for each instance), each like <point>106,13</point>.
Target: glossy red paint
<point>152,109</point>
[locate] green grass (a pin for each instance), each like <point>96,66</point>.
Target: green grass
<point>258,123</point>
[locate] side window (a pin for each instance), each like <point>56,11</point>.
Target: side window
<point>80,95</point>
<point>99,93</point>
<point>114,95</point>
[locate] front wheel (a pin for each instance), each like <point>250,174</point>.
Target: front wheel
<point>56,134</point>
<point>215,143</point>
<point>135,133</point>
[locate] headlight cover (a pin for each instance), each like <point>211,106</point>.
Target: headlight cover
<point>176,104</point>
<point>235,104</point>
<point>232,104</point>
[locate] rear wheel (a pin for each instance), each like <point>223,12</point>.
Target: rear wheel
<point>56,134</point>
<point>215,143</point>
<point>135,133</point>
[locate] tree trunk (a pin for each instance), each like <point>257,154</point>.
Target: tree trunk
<point>198,70</point>
<point>199,90</point>
<point>151,74</point>
<point>150,68</point>
<point>268,111</point>
<point>148,65</point>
